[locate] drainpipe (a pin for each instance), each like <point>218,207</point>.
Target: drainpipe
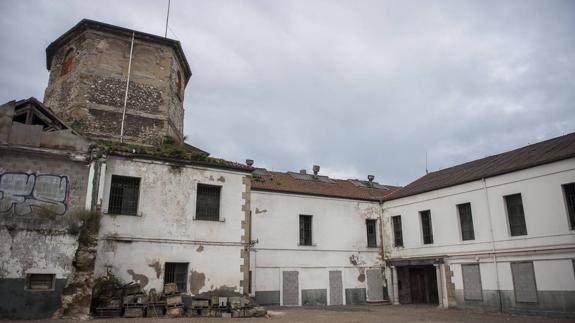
<point>381,237</point>
<point>90,188</point>
<point>127,87</point>
<point>494,257</point>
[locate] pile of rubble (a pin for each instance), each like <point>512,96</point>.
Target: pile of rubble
<point>131,301</point>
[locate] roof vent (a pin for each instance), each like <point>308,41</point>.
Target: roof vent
<point>249,162</point>
<point>302,171</point>
<point>315,170</point>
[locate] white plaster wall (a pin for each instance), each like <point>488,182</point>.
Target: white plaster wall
<point>545,213</point>
<point>166,229</point>
<point>339,239</point>
<point>25,252</point>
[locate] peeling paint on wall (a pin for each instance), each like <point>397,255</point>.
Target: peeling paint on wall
<point>157,268</point>
<point>197,281</point>
<point>138,278</point>
<point>258,211</point>
<point>200,248</point>
<point>221,179</point>
<point>361,276</point>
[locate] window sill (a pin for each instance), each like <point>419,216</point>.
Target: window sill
<point>116,214</point>
<point>307,245</point>
<point>219,220</point>
<point>372,247</point>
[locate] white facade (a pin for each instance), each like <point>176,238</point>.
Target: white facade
<point>549,243</point>
<point>339,244</point>
<point>165,230</point>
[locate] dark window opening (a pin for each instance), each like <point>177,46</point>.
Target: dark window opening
<point>250,282</point>
<point>397,231</point>
<point>40,281</point>
<point>208,202</point>
<point>179,85</point>
<point>569,192</point>
<point>176,272</point>
<point>466,221</point>
<point>305,230</point>
<point>371,226</point>
<point>67,63</point>
<point>124,195</point>
<point>426,227</point>
<point>515,215</point>
<point>22,118</point>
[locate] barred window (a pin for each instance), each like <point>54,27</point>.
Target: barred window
<point>397,231</point>
<point>426,226</point>
<point>569,192</point>
<point>515,215</point>
<point>124,195</point>
<point>176,272</point>
<point>371,226</point>
<point>305,226</point>
<point>40,281</point>
<point>208,202</point>
<point>466,221</point>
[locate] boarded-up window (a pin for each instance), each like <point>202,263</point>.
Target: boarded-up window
<point>472,282</point>
<point>305,230</point>
<point>67,62</point>
<point>466,221</point>
<point>40,281</point>
<point>397,231</point>
<point>208,202</point>
<point>515,215</point>
<point>124,195</point>
<point>426,227</point>
<point>371,226</point>
<point>524,282</point>
<point>569,192</point>
<point>176,272</point>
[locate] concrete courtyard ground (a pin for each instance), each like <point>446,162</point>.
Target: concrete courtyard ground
<point>337,314</point>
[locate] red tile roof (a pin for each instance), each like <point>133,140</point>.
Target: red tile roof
<point>288,183</point>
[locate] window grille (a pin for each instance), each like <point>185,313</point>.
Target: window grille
<point>40,281</point>
<point>124,195</point>
<point>466,221</point>
<point>371,226</point>
<point>176,272</point>
<point>208,202</point>
<point>305,230</point>
<point>426,227</point>
<point>397,231</point>
<point>515,215</point>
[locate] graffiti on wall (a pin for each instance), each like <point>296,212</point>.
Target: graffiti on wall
<point>22,193</point>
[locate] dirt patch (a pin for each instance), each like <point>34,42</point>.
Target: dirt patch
<point>197,281</point>
<point>157,268</point>
<point>200,248</point>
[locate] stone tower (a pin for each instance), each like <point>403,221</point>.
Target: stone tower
<point>88,74</point>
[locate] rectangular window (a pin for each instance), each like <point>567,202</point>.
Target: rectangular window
<point>208,202</point>
<point>569,192</point>
<point>426,227</point>
<point>515,215</point>
<point>472,282</point>
<point>305,230</point>
<point>397,231</point>
<point>371,226</point>
<point>124,195</point>
<point>40,281</point>
<point>466,221</point>
<point>176,272</point>
<point>524,284</point>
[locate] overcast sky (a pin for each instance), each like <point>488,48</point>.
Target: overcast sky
<point>358,87</point>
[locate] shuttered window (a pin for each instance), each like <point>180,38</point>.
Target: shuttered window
<point>426,227</point>
<point>371,226</point>
<point>466,221</point>
<point>176,272</point>
<point>305,233</point>
<point>397,231</point>
<point>208,202</point>
<point>124,195</point>
<point>472,282</point>
<point>569,192</point>
<point>40,281</point>
<point>515,215</point>
<point>524,284</point>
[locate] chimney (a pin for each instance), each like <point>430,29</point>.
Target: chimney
<point>302,171</point>
<point>370,178</point>
<point>249,162</point>
<point>315,170</point>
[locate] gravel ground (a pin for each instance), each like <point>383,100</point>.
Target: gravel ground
<point>366,313</point>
